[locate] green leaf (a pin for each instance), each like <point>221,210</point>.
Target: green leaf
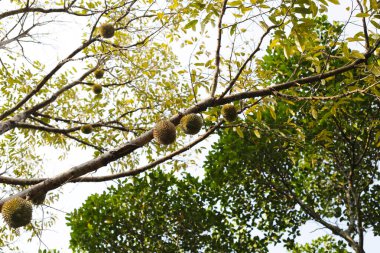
<point>239,132</point>
<point>356,54</point>
<point>272,112</point>
<point>314,113</point>
<point>191,24</point>
<point>334,1</point>
<point>235,3</point>
<point>375,24</point>
<point>362,15</point>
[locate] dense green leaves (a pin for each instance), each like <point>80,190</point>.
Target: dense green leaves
<point>157,212</point>
<point>324,244</point>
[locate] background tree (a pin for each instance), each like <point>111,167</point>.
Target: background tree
<point>154,212</point>
<point>144,80</point>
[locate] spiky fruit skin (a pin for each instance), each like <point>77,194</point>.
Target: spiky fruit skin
<point>99,73</point>
<point>229,112</point>
<point>38,199</point>
<point>107,31</point>
<point>97,88</point>
<point>17,212</point>
<point>191,123</point>
<point>164,132</point>
<point>86,129</point>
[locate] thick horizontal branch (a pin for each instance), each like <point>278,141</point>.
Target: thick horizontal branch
<point>151,165</point>
<point>27,9</point>
<point>20,181</point>
<point>41,10</point>
<point>23,182</point>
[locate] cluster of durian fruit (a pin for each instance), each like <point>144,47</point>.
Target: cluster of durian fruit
<point>17,212</point>
<point>106,31</point>
<point>164,132</point>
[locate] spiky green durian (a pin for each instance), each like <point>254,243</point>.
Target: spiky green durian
<point>191,123</point>
<point>86,129</point>
<point>107,31</point>
<point>164,132</point>
<point>229,112</point>
<point>97,88</point>
<point>99,73</point>
<point>17,212</point>
<point>38,199</point>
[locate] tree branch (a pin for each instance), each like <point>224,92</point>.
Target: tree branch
<point>365,29</point>
<point>19,181</point>
<point>217,54</point>
<point>44,80</point>
<point>250,57</point>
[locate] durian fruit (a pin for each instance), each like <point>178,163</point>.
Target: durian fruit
<point>229,112</point>
<point>17,212</point>
<point>107,31</point>
<point>164,132</point>
<point>99,73</point>
<point>38,199</point>
<point>97,88</point>
<point>191,123</point>
<point>86,129</point>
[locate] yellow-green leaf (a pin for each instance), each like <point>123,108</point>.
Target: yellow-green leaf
<point>239,132</point>
<point>356,54</point>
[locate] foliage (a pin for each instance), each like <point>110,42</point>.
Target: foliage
<point>157,212</point>
<point>310,102</point>
<point>324,244</point>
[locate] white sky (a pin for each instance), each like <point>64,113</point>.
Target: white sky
<point>57,237</point>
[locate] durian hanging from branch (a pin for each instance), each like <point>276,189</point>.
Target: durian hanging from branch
<point>99,73</point>
<point>191,123</point>
<point>107,31</point>
<point>97,88</point>
<point>38,199</point>
<point>86,129</point>
<point>164,132</point>
<point>17,212</point>
<point>229,112</point>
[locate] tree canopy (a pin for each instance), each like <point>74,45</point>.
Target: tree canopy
<point>311,158</point>
<point>304,146</point>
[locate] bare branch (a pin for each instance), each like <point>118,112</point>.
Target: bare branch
<point>365,29</point>
<point>40,10</point>
<point>45,79</point>
<point>217,54</point>
<point>250,57</point>
<point>324,98</point>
